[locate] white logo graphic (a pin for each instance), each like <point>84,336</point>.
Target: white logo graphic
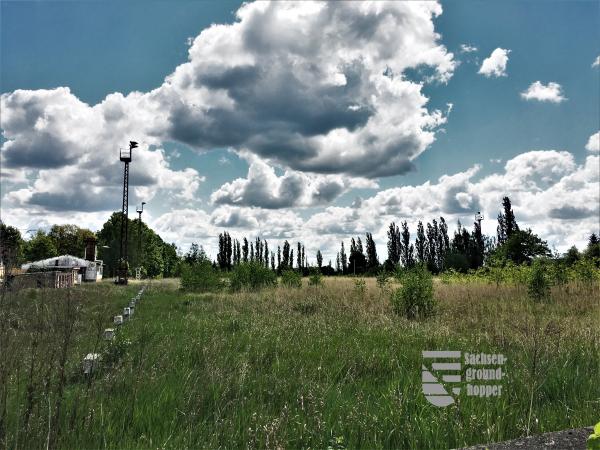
<point>442,379</point>
<point>435,391</point>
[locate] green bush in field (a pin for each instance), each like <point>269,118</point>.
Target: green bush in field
<point>315,279</point>
<point>251,276</point>
<point>538,285</point>
<point>383,279</point>
<point>414,300</point>
<point>291,279</point>
<point>200,277</point>
<point>585,271</point>
<point>360,287</point>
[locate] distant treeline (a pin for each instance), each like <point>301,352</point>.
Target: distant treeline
<point>432,247</point>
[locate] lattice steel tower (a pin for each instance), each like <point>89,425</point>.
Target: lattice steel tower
<point>123,267</point>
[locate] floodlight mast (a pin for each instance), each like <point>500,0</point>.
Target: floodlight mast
<point>479,218</point>
<point>140,256</point>
<point>123,267</point>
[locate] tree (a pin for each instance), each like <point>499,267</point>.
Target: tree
<point>245,250</point>
<point>406,249</point>
<point>11,246</point>
<point>572,256</point>
<point>357,259</point>
<point>70,239</point>
<point>372,260</point>
<point>41,246</point>
<point>343,259</point>
<point>507,224</point>
<point>421,244</point>
<point>394,245</point>
<point>478,246</point>
<point>171,266</point>
<point>319,259</point>
<point>431,248</point>
<point>522,246</point>
<point>278,258</point>
<point>286,256</point>
<point>194,254</point>
<point>299,256</point>
<point>593,248</point>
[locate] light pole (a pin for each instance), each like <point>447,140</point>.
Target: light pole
<point>123,268</point>
<point>140,256</point>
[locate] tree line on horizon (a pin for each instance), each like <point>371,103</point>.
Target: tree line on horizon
<point>432,248</point>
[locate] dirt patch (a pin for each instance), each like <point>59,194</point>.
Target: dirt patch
<point>564,440</point>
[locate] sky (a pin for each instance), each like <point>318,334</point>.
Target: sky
<point>302,121</point>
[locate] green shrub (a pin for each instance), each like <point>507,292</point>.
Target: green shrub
<point>200,277</point>
<point>414,299</point>
<point>251,276</point>
<point>291,279</point>
<point>538,285</point>
<point>382,279</point>
<point>360,287</point>
<point>584,271</point>
<point>315,279</point>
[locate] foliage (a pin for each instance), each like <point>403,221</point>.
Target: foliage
<point>414,299</point>
<point>200,277</point>
<point>157,257</point>
<point>11,245</point>
<point>382,279</point>
<point>40,246</point>
<point>538,285</point>
<point>291,279</point>
<point>522,246</point>
<point>360,287</point>
<point>70,239</point>
<point>315,278</point>
<point>251,276</point>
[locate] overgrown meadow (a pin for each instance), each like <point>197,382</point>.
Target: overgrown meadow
<point>328,363</point>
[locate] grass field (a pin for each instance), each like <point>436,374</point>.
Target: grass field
<point>288,368</point>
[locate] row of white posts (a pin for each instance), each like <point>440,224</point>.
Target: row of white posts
<point>92,360</point>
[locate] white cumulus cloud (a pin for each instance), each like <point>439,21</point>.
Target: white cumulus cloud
<point>495,64</point>
<point>593,143</point>
<point>551,92</point>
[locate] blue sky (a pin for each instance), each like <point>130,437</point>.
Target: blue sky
<point>99,48</point>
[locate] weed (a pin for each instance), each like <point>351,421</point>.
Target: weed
<point>291,279</point>
<point>538,285</point>
<point>315,278</point>
<point>414,299</point>
<point>251,276</point>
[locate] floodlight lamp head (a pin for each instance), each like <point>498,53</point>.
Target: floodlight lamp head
<point>132,145</point>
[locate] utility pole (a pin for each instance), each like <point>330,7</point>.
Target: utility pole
<point>140,256</point>
<point>123,267</point>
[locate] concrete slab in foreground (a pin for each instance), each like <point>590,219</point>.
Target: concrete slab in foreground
<point>559,440</point>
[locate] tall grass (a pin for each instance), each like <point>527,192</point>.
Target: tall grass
<point>310,367</point>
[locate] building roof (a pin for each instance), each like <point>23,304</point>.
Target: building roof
<point>58,262</point>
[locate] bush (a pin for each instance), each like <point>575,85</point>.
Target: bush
<point>382,279</point>
<point>200,277</point>
<point>291,279</point>
<point>414,300</point>
<point>316,279</point>
<point>360,287</point>
<point>252,276</point>
<point>538,285</point>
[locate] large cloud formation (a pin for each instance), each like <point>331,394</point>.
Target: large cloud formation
<point>315,87</point>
